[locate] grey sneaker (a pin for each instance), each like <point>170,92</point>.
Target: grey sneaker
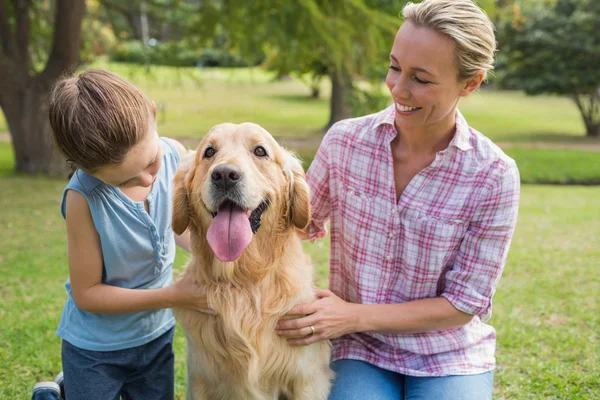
<point>46,391</point>
<point>61,383</point>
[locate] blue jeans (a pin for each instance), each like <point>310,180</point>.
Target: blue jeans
<point>358,380</point>
<point>145,372</point>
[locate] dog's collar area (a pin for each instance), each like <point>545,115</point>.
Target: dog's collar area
<point>254,216</point>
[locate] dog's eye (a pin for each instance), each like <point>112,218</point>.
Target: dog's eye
<point>209,152</point>
<point>260,151</point>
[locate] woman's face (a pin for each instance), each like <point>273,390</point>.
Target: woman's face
<point>423,78</point>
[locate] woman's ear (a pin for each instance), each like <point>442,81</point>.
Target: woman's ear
<point>471,84</point>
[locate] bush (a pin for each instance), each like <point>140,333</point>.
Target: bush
<point>211,57</point>
<point>175,54</point>
<point>131,52</point>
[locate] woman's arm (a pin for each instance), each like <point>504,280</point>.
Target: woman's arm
<point>333,317</point>
<point>469,285</point>
<point>85,270</point>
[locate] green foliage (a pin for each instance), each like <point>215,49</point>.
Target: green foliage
<point>551,49</point>
<point>367,99</point>
<point>41,20</point>
<point>132,51</point>
<point>555,48</point>
<point>312,36</point>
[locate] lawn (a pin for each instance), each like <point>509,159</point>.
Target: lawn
<point>545,309</point>
<point>192,100</point>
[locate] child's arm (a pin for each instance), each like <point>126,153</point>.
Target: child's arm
<point>85,268</point>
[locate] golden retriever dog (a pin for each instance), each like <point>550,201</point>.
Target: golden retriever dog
<point>243,197</point>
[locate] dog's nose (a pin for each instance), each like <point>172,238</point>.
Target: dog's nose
<point>226,176</point>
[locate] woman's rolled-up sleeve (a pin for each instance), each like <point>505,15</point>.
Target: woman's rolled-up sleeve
<point>471,282</point>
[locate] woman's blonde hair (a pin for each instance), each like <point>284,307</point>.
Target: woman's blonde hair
<point>466,24</point>
<point>97,117</point>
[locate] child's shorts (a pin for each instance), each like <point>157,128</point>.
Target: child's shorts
<point>144,372</point>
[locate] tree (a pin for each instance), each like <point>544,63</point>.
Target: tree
<point>339,38</point>
<point>555,48</point>
<point>24,91</point>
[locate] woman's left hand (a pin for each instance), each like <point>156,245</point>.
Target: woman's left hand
<point>329,316</point>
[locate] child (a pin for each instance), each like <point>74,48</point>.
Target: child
<point>117,326</point>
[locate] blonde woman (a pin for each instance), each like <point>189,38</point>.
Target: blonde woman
<point>422,209</point>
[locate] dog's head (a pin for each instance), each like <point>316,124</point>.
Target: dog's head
<point>241,183</point>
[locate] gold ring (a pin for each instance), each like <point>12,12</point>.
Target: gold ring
<point>312,327</point>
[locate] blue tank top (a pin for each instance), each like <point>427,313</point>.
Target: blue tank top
<point>138,250</point>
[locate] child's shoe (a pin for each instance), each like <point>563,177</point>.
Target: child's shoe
<point>61,383</point>
<point>46,391</point>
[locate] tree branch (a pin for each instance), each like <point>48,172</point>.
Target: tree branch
<point>66,42</point>
<point>6,36</point>
<point>22,31</point>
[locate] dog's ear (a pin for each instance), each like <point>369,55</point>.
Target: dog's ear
<point>181,202</point>
<point>299,193</point>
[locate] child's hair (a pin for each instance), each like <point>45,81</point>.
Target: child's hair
<point>97,117</point>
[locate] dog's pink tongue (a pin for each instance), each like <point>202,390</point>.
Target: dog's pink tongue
<point>229,233</point>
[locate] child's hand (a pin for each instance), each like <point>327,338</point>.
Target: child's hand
<point>186,293</point>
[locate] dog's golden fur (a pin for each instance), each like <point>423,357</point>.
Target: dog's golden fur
<point>236,353</point>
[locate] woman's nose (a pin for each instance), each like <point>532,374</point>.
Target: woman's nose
<point>400,89</point>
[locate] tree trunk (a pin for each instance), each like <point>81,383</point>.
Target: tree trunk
<point>24,98</point>
<point>27,118</point>
<point>340,88</point>
<point>315,92</point>
<point>593,130</point>
<point>589,107</point>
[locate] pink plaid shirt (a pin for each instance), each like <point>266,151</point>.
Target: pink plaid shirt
<point>448,236</point>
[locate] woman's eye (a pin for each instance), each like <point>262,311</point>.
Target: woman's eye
<point>394,68</point>
<point>421,81</point>
<point>260,151</point>
<point>209,152</point>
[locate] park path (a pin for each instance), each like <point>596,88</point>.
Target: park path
<point>312,142</point>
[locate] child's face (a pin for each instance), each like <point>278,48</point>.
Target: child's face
<point>139,167</point>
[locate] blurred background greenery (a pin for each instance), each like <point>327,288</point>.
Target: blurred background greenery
<point>296,67</point>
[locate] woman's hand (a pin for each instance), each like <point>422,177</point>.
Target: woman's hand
<point>329,316</point>
<point>186,293</point>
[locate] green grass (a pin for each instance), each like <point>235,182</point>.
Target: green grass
<point>192,100</point>
<point>508,116</point>
<point>545,309</point>
<point>557,166</point>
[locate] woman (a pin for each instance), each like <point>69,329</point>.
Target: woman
<point>422,209</point>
